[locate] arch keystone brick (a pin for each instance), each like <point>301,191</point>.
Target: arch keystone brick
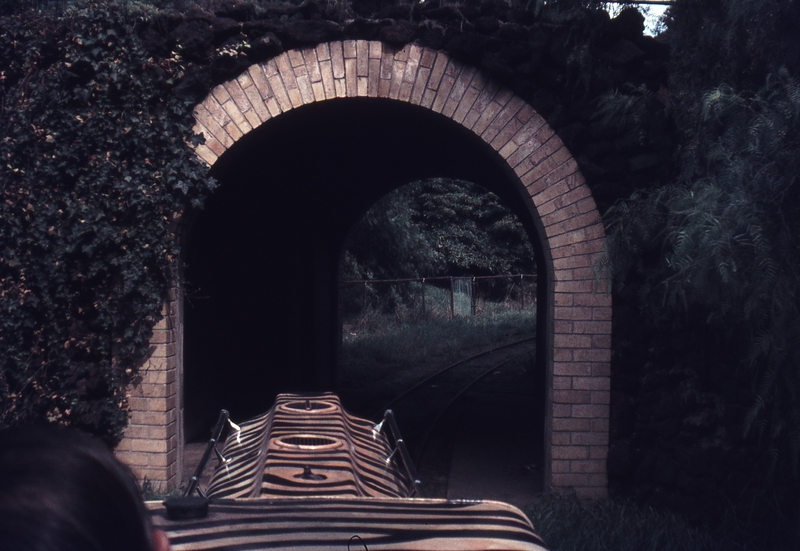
<point>571,234</point>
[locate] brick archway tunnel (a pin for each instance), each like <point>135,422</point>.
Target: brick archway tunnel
<point>347,122</point>
<point>264,254</point>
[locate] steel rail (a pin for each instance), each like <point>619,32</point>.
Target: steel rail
<point>379,412</point>
<point>435,421</point>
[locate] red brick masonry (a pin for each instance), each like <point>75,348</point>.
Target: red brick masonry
<point>579,336</point>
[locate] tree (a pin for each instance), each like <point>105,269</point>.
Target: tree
<point>718,246</point>
<point>438,227</point>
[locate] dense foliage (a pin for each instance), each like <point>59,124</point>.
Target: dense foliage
<point>715,252</point>
<point>438,227</point>
<point>94,167</point>
<point>567,524</point>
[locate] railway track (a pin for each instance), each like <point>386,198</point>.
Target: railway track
<point>420,409</point>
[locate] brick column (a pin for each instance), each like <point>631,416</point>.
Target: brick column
<point>579,388</point>
<point>150,442</point>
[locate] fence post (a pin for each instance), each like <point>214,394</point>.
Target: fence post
<point>472,289</point>
<point>522,291</point>
<point>452,307</point>
<point>424,313</point>
<point>364,300</point>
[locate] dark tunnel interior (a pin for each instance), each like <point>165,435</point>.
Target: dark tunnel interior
<point>261,260</point>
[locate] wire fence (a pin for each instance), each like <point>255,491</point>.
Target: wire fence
<point>423,298</point>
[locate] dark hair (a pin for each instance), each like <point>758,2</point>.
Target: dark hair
<point>61,490</point>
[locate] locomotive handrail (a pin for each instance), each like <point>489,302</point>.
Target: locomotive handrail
<point>400,446</point>
<point>211,447</point>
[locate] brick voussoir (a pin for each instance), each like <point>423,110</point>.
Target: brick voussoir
<point>286,71</point>
<point>312,64</point>
<point>207,121</point>
<point>419,85</point>
<point>279,89</point>
<point>485,118</point>
<point>557,174</point>
<point>459,89</point>
<point>592,247</point>
<point>218,114</point>
<point>442,93</point>
<point>337,60</point>
<point>206,154</point>
<point>412,65</point>
<point>531,128</point>
<point>362,58</point>
<point>501,120</point>
<point>467,100</point>
<point>553,190</point>
<point>481,104</point>
<point>438,69</point>
<point>570,211</point>
<point>259,107</point>
<point>326,71</point>
<point>428,58</point>
<point>238,96</point>
<point>521,152</point>
<point>295,58</point>
<point>575,223</point>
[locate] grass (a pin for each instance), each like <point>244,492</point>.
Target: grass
<point>567,524</point>
<point>385,340</point>
<point>155,492</point>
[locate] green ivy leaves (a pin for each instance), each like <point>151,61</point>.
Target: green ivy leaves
<point>94,164</point>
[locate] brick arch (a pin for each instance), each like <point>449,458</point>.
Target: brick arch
<point>578,336</point>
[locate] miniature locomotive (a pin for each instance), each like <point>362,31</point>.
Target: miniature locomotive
<point>308,475</point>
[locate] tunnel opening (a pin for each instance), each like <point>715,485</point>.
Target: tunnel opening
<point>261,261</point>
<point>451,353</point>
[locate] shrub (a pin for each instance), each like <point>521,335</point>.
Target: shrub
<point>566,524</point>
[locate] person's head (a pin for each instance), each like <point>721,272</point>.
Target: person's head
<point>62,490</point>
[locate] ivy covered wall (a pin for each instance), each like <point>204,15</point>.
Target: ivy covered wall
<point>96,115</point>
<point>94,170</point>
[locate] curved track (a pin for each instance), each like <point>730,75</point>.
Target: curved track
<point>420,408</point>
